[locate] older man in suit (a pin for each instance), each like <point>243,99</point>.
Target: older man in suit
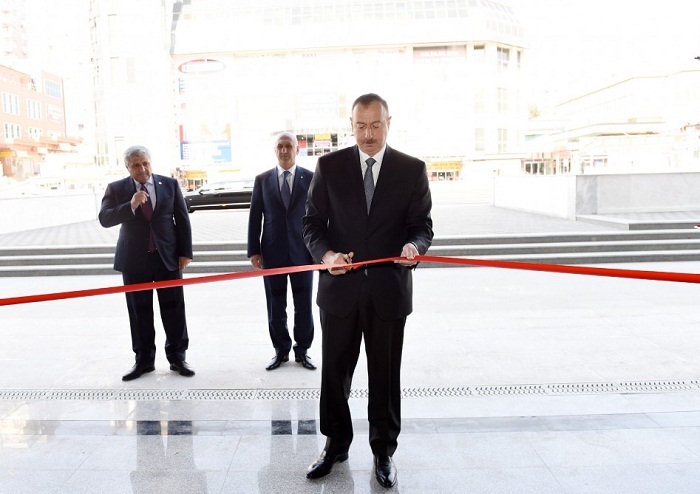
<point>275,241</point>
<point>155,244</point>
<point>366,202</point>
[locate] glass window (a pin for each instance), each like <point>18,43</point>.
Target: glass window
<point>502,140</point>
<point>12,131</point>
<point>34,133</point>
<point>503,55</point>
<point>478,139</point>
<point>34,109</point>
<point>53,89</point>
<point>10,103</point>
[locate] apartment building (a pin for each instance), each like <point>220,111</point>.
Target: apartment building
<point>32,121</point>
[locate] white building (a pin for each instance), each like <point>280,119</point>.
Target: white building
<point>134,89</point>
<point>242,70</point>
<point>647,123</point>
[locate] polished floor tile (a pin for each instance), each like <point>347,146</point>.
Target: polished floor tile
<point>512,382</point>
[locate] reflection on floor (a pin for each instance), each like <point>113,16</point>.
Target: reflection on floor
<point>617,452</point>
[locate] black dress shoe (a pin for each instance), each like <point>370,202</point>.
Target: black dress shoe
<point>323,465</point>
<point>305,360</point>
<point>277,361</point>
<point>183,368</point>
<point>137,371</point>
<point>385,470</point>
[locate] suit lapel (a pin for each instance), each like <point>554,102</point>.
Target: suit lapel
<point>159,189</point>
<point>388,169</point>
<point>300,177</point>
<point>355,178</point>
<point>274,186</point>
<point>129,186</point>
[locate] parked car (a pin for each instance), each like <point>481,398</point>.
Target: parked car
<point>221,195</point>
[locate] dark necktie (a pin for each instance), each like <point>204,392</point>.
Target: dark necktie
<point>147,209</point>
<point>286,191</point>
<point>369,182</point>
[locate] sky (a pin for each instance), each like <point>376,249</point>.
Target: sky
<point>572,46</point>
<point>576,45</point>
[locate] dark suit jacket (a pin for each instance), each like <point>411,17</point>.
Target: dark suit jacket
<point>336,219</point>
<point>171,224</point>
<point>281,243</point>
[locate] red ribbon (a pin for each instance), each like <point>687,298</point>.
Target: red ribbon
<point>528,266</point>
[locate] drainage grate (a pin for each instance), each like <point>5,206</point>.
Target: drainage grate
<point>313,394</point>
<point>533,389</point>
<point>221,394</point>
<point>288,394</point>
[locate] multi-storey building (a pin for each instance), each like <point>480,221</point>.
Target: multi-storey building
<point>450,71</point>
<point>13,36</point>
<point>32,121</point>
<point>238,72</point>
<point>646,123</point>
<point>133,86</point>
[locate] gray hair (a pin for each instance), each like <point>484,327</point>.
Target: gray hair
<point>135,151</point>
<point>279,136</point>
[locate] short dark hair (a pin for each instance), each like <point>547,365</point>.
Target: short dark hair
<point>367,99</point>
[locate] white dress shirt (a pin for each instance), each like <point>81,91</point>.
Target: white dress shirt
<point>379,157</point>
<point>280,176</point>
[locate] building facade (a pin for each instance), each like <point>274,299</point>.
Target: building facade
<point>648,123</point>
<point>239,72</point>
<point>133,85</point>
<point>13,35</point>
<point>43,118</point>
<point>32,122</point>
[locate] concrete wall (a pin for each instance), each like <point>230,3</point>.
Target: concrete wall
<point>550,195</point>
<point>30,212</point>
<point>567,196</point>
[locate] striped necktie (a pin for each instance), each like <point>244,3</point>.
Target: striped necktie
<point>369,182</point>
<point>286,191</point>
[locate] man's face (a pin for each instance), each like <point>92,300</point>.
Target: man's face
<point>286,150</point>
<point>139,167</point>
<point>370,125</point>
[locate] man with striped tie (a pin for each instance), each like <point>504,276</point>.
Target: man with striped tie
<point>366,202</point>
<point>275,241</point>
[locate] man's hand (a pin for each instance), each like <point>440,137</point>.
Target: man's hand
<point>139,198</point>
<point>184,262</point>
<point>409,251</point>
<point>256,261</point>
<point>331,257</point>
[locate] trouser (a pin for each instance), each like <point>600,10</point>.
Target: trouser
<point>172,310</point>
<point>276,296</point>
<point>341,340</point>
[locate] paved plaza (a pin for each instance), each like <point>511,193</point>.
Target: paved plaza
<point>513,382</point>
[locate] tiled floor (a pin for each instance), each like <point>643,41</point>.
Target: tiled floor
<point>513,382</point>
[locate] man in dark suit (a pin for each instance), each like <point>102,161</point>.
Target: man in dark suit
<point>155,244</point>
<point>279,197</point>
<point>365,202</point>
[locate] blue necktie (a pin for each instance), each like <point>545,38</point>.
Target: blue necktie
<point>369,182</point>
<point>286,191</point>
